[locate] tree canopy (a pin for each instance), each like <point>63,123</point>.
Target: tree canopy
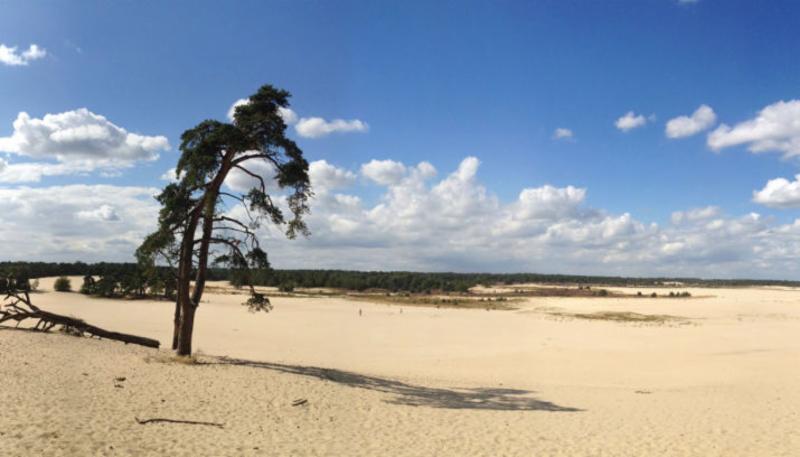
<point>201,221</point>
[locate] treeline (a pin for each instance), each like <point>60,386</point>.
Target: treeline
<point>129,279</point>
<point>117,280</point>
<point>47,269</point>
<point>460,282</point>
<point>398,281</point>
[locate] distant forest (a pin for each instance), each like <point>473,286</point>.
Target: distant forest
<point>131,277</point>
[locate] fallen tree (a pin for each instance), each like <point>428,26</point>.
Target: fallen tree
<point>18,307</point>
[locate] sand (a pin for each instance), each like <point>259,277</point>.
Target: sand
<point>721,381</point>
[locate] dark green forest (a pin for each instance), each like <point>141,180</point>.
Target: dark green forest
<point>129,279</point>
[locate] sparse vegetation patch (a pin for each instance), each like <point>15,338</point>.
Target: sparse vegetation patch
<point>625,317</point>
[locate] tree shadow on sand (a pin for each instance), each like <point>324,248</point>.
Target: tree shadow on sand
<point>491,399</point>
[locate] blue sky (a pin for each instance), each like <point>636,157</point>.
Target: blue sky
<point>439,82</point>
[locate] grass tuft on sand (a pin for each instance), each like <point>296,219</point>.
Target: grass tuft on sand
<point>626,317</point>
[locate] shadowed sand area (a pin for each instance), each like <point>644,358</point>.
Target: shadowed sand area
<point>718,379</point>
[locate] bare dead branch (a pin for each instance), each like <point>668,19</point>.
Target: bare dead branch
<point>177,421</point>
<point>19,308</point>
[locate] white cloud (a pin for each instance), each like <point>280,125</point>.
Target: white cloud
<point>288,116</point>
<point>683,126</point>
<point>389,172</point>
<point>79,141</point>
<point>35,171</point>
<point>779,193</point>
<point>457,224</point>
<point>384,172</point>
<point>776,128</point>
<point>549,202</point>
<point>695,215</point>
<point>79,222</point>
<point>562,134</point>
<point>170,175</point>
<point>630,121</point>
<point>239,180</point>
<point>104,213</point>
<point>454,223</point>
<point>316,127</point>
<point>9,55</point>
<point>325,177</point>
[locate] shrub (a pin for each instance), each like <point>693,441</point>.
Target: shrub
<point>62,284</point>
<point>654,295</point>
<point>286,287</point>
<point>88,287</point>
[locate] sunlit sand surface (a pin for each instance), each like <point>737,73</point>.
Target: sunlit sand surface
<point>715,375</point>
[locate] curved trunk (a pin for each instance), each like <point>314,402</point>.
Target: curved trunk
<point>188,300</point>
<point>183,305</point>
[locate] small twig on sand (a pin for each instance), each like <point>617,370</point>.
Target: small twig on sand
<point>299,402</point>
<point>177,421</point>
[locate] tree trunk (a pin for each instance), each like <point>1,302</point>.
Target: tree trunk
<point>176,326</point>
<point>186,329</point>
<point>188,300</point>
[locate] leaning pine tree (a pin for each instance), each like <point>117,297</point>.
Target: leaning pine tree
<point>199,221</point>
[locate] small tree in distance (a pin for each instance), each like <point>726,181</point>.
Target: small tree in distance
<point>62,284</point>
<point>199,221</point>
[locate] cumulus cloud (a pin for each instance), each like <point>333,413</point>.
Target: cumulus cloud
<point>419,222</point>
<point>683,126</point>
<point>457,224</point>
<point>391,173</point>
<point>78,222</point>
<point>34,171</point>
<point>289,116</point>
<point>695,215</point>
<point>325,177</point>
<point>316,127</point>
<point>562,134</point>
<point>239,180</point>
<point>79,141</point>
<point>779,193</point>
<point>630,121</point>
<point>549,202</point>
<point>384,172</point>
<point>776,128</point>
<point>104,213</point>
<point>11,56</point>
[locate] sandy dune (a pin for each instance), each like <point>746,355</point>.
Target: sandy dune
<point>415,381</point>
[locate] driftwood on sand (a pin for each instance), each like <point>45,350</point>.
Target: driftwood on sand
<point>18,307</point>
<point>177,421</point>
